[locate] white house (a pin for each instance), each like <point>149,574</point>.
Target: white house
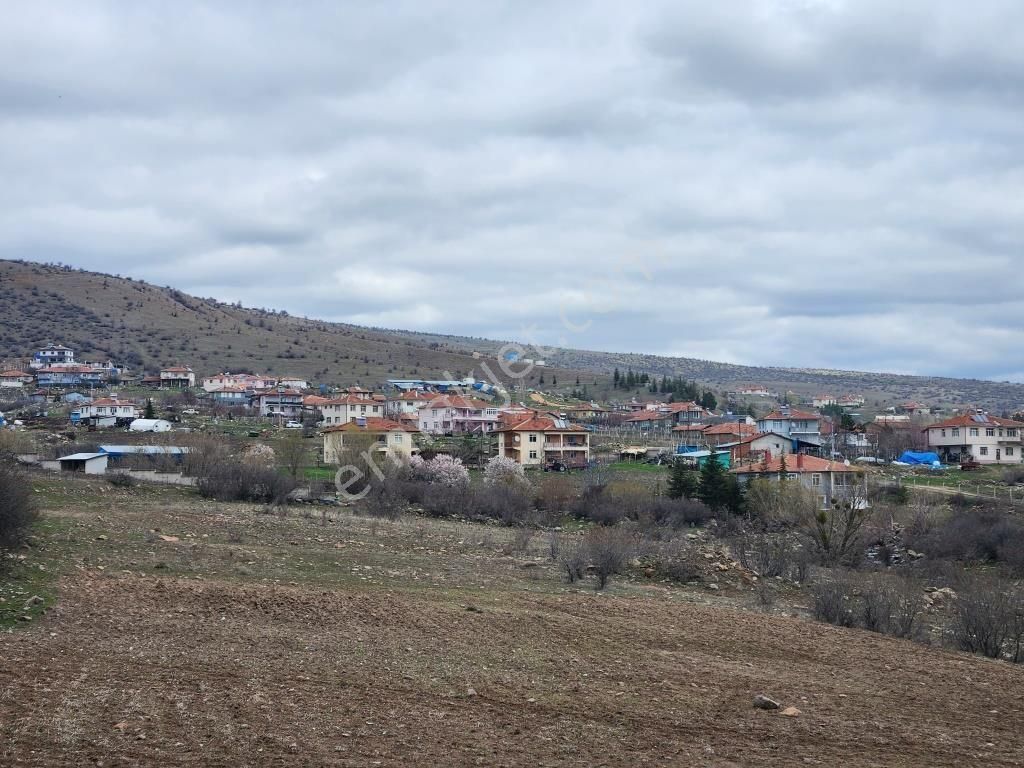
<point>408,402</point>
<point>799,426</point>
<point>383,436</point>
<point>293,382</point>
<point>341,410</point>
<point>458,415</point>
<point>52,354</point>
<point>983,438</point>
<point>539,440</point>
<point>14,379</point>
<point>246,381</point>
<point>106,407</point>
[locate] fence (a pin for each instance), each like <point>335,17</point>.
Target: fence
<point>1006,493</point>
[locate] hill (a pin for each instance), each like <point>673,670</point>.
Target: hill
<point>148,326</point>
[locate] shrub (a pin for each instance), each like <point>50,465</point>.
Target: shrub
<point>234,480</point>
<point>557,493</point>
<point>445,500</point>
<point>831,602</point>
<point>675,562</point>
<point>572,560</point>
<point>1013,475</point>
<point>771,555</point>
<point>983,618</point>
<point>382,501</point>
<point>17,506</point>
<point>509,504</point>
<point>122,480</point>
<point>607,550</point>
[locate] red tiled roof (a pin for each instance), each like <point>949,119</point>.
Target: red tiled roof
<point>315,400</point>
<point>690,428</point>
<point>798,464</point>
<point>457,401</point>
<point>793,414</point>
<point>537,423</point>
<point>15,375</point>
<point>372,425</point>
<point>731,428</point>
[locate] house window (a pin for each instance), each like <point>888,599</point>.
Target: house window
<point>1012,432</point>
<point>533,438</point>
<point>956,431</point>
<point>990,432</point>
<point>974,432</point>
<point>396,438</point>
<point>792,476</point>
<point>816,479</point>
<point>943,433</point>
<point>824,501</point>
<point>1009,450</point>
<point>533,454</point>
<point>984,450</point>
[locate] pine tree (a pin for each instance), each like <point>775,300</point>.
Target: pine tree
<point>616,378</point>
<point>714,490</point>
<point>150,411</point>
<point>683,482</point>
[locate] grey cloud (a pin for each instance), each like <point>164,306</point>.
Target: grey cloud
<point>831,184</point>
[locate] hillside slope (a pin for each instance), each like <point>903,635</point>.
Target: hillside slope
<point>106,316</point>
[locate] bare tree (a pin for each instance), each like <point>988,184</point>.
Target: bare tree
<point>292,452</point>
<point>607,550</point>
<point>835,532</point>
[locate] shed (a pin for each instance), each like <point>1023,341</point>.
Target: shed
<point>87,463</point>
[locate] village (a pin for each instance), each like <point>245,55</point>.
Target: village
<point>826,438</point>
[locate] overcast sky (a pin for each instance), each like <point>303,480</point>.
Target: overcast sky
<point>834,184</point>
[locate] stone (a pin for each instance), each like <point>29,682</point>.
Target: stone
<point>790,712</point>
<point>471,691</point>
<point>763,702</point>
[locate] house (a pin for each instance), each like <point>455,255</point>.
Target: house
<point>823,401</point>
<point>408,402</point>
<point>803,428</point>
<point>828,480</point>
<point>349,407</point>
<point>52,354</point>
<point>14,379</point>
<point>850,401</point>
<point>983,438</point>
<point>86,463</point>
<point>458,415</point>
<point>279,403</point>
<point>293,382</point>
<point>108,407</point>
<point>230,395</point>
<point>385,437</point>
<point>758,446</point>
<point>728,432</point>
<point>540,440</point>
<point>913,408</point>
<point>177,377</point>
<point>69,376</point>
<point>754,391</point>
<point>248,382</point>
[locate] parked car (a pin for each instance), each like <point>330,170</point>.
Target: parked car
<point>969,465</point>
<point>190,412</point>
<point>293,425</point>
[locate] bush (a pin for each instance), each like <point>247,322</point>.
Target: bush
<point>17,506</point>
<point>557,493</point>
<point>831,601</point>
<point>1013,475</point>
<point>607,550</point>
<point>675,562</point>
<point>234,480</point>
<point>445,500</point>
<point>984,618</point>
<point>382,501</point>
<point>772,555</point>
<point>510,504</point>
<point>572,560</point>
<point>973,534</point>
<point>501,470</point>
<point>122,480</point>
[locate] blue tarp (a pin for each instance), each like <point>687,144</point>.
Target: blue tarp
<point>928,458</point>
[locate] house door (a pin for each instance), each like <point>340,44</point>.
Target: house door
<point>999,453</point>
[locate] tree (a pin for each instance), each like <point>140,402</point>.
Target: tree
<point>17,506</point>
<point>501,470</point>
<point>708,400</point>
<point>835,533</point>
<point>713,489</point>
<point>292,453</point>
<point>682,482</point>
<point>150,411</point>
<point>607,550</point>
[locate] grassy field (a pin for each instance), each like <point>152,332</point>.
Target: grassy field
<point>178,631</point>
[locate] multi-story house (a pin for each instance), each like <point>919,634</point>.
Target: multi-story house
<point>408,402</point>
<point>341,410</point>
<point>52,354</point>
<point>539,441</point>
<point>69,376</point>
<point>247,381</point>
<point>279,403</point>
<point>384,437</point>
<point>983,438</point>
<point>177,377</point>
<point>828,480</point>
<point>458,415</point>
<point>231,396</point>
<point>798,426</point>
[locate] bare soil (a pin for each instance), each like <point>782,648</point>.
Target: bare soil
<point>195,633</point>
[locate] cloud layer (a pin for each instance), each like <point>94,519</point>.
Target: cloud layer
<point>830,184</point>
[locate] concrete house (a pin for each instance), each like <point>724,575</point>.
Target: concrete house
<point>177,377</point>
<point>52,354</point>
<point>279,403</point>
<point>107,408</point>
<point>384,437</point>
<point>983,438</point>
<point>540,440</point>
<point>14,379</point>
<point>828,480</point>
<point>408,402</point>
<point>802,427</point>
<point>349,407</point>
<point>458,415</point>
